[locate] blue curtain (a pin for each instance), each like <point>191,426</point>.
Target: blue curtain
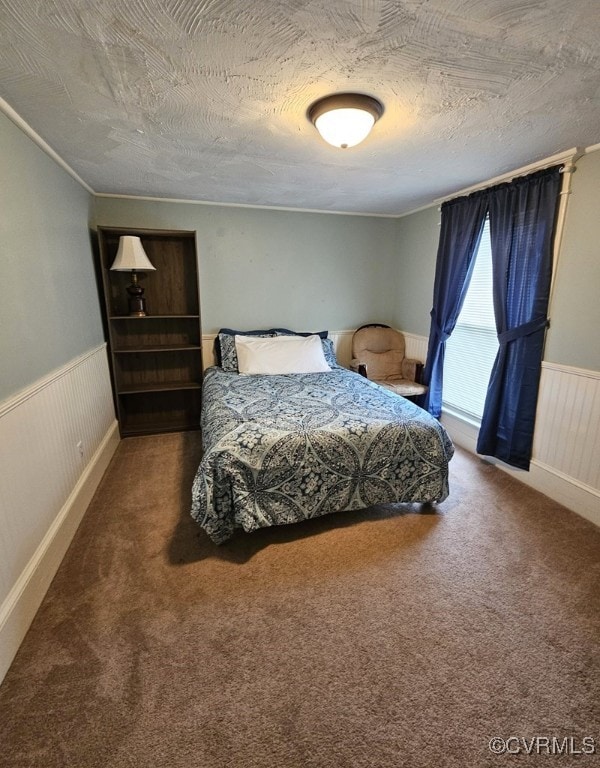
<point>462,224</point>
<point>522,221</point>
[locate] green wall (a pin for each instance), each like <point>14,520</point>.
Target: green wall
<point>416,245</point>
<point>573,338</point>
<point>49,311</point>
<point>277,268</point>
<point>575,309</point>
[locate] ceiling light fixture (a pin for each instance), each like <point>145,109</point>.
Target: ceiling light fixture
<point>345,119</point>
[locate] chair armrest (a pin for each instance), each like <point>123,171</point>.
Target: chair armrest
<point>358,367</point>
<point>412,369</point>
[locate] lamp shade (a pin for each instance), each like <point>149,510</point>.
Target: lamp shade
<point>131,256</point>
<point>345,119</point>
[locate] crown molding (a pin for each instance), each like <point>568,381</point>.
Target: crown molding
<point>43,145</point>
<point>571,155</point>
<point>287,209</point>
<point>568,156</point>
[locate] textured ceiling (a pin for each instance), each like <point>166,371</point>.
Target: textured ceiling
<point>207,99</point>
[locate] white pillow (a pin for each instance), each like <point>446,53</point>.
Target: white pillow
<point>281,354</point>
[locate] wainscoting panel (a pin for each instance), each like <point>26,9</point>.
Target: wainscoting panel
<point>342,344</point>
<point>416,346</point>
<point>56,439</point>
<point>565,464</point>
<point>567,435</point>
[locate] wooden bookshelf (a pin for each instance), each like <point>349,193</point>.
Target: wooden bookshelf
<point>156,360</point>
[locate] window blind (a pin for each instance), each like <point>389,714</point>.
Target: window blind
<point>472,347</point>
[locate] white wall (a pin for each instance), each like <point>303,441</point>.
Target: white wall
<point>54,383</point>
<point>56,439</point>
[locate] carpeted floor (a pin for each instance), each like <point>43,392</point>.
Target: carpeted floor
<point>378,639</point>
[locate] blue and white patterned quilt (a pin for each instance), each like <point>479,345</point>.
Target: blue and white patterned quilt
<point>280,449</point>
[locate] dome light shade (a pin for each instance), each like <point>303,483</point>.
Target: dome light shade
<point>345,119</point>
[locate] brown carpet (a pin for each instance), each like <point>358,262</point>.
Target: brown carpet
<point>376,639</point>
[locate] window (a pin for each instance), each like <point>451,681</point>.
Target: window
<point>472,347</point>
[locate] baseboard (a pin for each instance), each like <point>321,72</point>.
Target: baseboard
<point>568,491</point>
<point>24,599</point>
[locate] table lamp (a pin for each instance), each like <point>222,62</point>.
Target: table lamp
<point>131,257</point>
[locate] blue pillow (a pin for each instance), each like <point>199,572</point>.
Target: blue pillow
<point>225,353</point>
<point>286,332</point>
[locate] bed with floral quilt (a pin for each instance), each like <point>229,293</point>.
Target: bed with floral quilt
<point>279,449</point>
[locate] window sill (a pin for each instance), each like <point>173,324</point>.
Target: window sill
<point>472,421</point>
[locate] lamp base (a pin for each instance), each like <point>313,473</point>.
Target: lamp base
<point>137,308</point>
<point>137,302</point>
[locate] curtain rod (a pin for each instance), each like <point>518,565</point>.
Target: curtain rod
<point>570,156</point>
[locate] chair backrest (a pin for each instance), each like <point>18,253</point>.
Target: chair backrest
<point>381,349</point>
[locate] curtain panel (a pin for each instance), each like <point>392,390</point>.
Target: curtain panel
<point>522,215</point>
<point>522,223</point>
<point>460,234</point>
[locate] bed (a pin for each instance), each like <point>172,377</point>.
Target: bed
<point>281,448</point>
